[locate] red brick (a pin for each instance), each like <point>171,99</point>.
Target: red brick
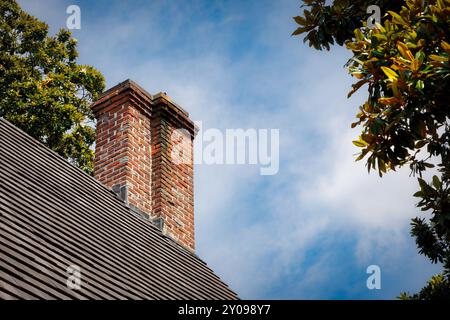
<point>131,124</point>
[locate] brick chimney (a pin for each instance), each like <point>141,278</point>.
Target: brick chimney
<point>144,151</point>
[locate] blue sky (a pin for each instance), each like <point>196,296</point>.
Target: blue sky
<point>308,232</point>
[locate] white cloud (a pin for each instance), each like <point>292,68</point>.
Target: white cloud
<point>368,200</point>
<point>256,231</point>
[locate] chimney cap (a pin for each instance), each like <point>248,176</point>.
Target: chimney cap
<point>131,85</point>
<point>163,96</point>
<point>125,85</point>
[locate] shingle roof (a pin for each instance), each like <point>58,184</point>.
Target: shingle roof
<point>53,215</point>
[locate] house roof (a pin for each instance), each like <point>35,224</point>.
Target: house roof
<point>54,216</point>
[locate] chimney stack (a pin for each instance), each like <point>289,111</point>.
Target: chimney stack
<point>144,148</point>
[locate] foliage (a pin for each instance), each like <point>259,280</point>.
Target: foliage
<point>404,62</point>
<point>42,88</point>
<point>433,237</point>
<point>437,288</point>
<point>326,25</point>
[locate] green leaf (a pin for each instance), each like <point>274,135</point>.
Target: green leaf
<point>391,74</point>
<point>362,155</point>
<point>423,184</point>
<point>390,100</point>
<point>438,58</point>
<point>358,34</point>
<point>436,182</point>
<point>418,127</point>
<point>420,144</point>
<point>446,46</point>
<point>356,86</point>
<point>420,85</point>
<point>381,166</point>
<point>298,31</point>
<point>300,20</point>
<point>357,60</point>
<point>359,144</point>
<point>404,51</point>
<point>420,56</point>
<point>397,19</point>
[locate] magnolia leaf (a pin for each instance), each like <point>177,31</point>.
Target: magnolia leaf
<point>357,61</point>
<point>299,30</point>
<point>420,85</point>
<point>418,127</point>
<point>356,86</point>
<point>422,183</point>
<point>362,155</point>
<point>415,65</point>
<point>404,51</point>
<point>437,63</point>
<point>380,36</point>
<point>438,58</point>
<point>418,194</point>
<point>358,34</point>
<point>390,100</point>
<point>378,26</point>
<point>381,166</point>
<point>359,143</point>
<point>420,56</point>
<point>394,87</point>
<point>445,46</point>
<point>358,75</point>
<point>391,74</point>
<point>399,68</point>
<point>300,20</point>
<point>397,19</point>
<point>354,124</point>
<point>420,144</point>
<point>436,183</point>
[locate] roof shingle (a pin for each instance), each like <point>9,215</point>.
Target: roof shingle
<point>53,215</point>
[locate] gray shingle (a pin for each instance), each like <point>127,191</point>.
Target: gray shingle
<point>53,215</point>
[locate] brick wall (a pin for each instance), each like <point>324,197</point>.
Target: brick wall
<point>172,177</point>
<point>145,143</point>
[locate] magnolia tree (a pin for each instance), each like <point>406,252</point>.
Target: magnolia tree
<point>403,61</point>
<point>42,88</point>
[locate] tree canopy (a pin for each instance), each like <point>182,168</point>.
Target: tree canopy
<point>404,64</point>
<point>43,90</point>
